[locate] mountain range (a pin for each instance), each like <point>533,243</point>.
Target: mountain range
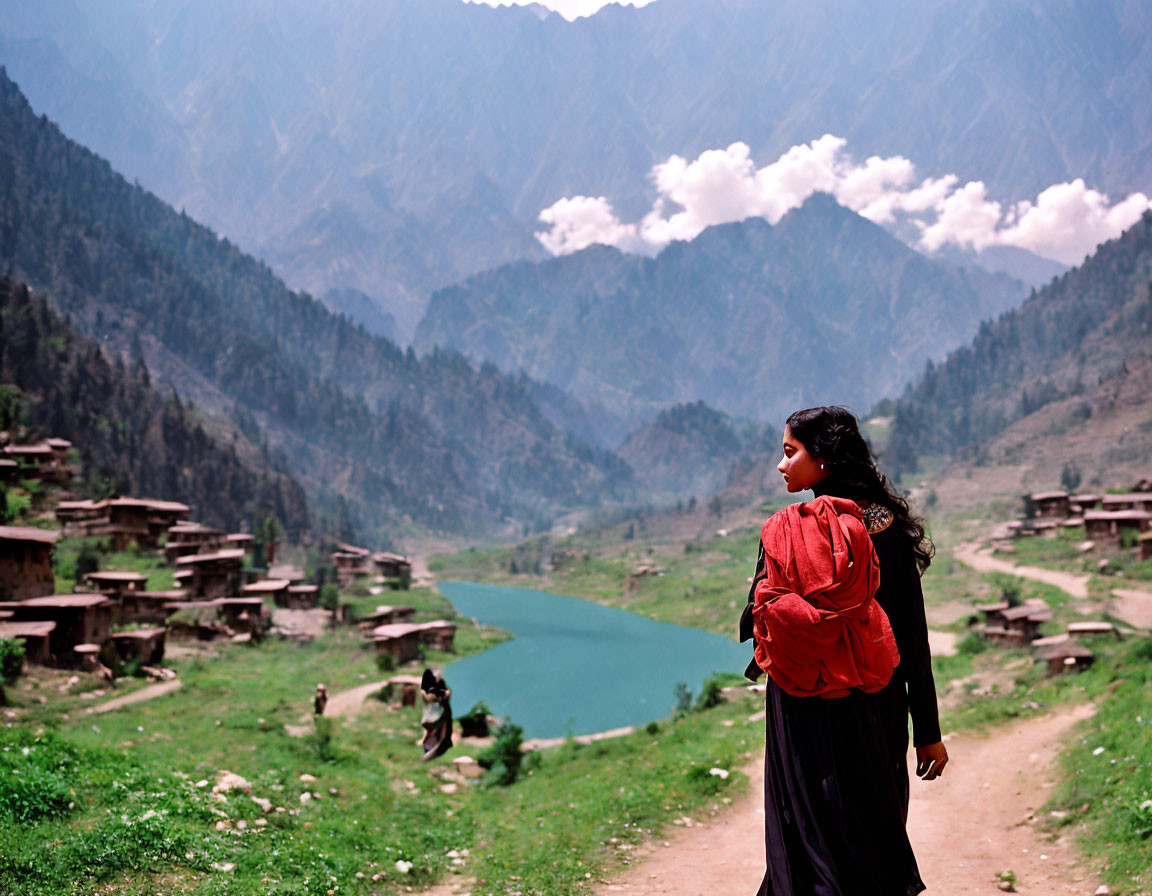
<point>392,147</point>
<point>1072,366</point>
<point>376,434</point>
<point>755,319</point>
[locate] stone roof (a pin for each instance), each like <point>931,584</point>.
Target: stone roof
<point>28,533</point>
<point>197,559</point>
<point>113,575</point>
<point>65,600</point>
<point>35,629</point>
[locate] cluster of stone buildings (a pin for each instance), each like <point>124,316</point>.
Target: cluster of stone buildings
<point>354,563</point>
<point>1103,518</point>
<point>1019,626</point>
<point>216,593</point>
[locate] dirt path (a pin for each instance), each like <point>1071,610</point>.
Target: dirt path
<point>966,827</point>
<point>348,703</point>
<point>151,692</point>
<point>1073,585</point>
<point>1133,606</point>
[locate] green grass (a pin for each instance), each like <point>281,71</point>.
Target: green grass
<point>1106,785</point>
<point>68,550</point>
<point>112,801</point>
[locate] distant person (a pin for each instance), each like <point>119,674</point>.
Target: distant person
<point>320,700</point>
<point>837,616</point>
<point>437,715</point>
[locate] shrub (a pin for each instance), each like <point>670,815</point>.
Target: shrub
<point>11,660</point>
<point>683,699</point>
<point>972,644</point>
<point>385,662</point>
<point>710,695</point>
<point>329,597</point>
<point>503,758</point>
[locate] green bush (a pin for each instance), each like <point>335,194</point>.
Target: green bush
<point>503,758</point>
<point>710,695</point>
<point>11,660</point>
<point>385,662</point>
<point>704,781</point>
<point>683,699</point>
<point>972,644</point>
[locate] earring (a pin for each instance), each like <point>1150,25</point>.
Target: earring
<point>821,466</point>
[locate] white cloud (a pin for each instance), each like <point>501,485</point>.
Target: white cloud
<point>570,9</point>
<point>1065,222</point>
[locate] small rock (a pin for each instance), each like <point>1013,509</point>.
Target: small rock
<point>449,788</point>
<point>265,805</point>
<point>721,773</point>
<point>305,799</point>
<point>403,867</point>
<point>224,866</point>
<point>203,782</point>
<point>1103,890</point>
<point>231,781</point>
<point>307,778</point>
<point>260,822</point>
<point>223,825</point>
<point>241,825</point>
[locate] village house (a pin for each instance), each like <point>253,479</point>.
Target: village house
<point>1051,505</point>
<point>244,615</point>
<point>242,540</point>
<point>145,645</point>
<point>1067,656</point>
<point>35,636</point>
<point>440,633</point>
<point>79,618</point>
<point>74,515</point>
<point>351,563</point>
<point>205,576</point>
<point>402,641</point>
<point>275,589</point>
<point>192,538</point>
<point>43,461</point>
<point>139,521</point>
<point>1106,525</point>
<point>26,562</point>
<point>1146,546</point>
<point>385,615</point>
<point>9,470</point>
<point>1078,504</point>
<point>148,607</point>
<point>1012,626</point>
<point>1129,501</point>
<point>394,567</point>
<point>115,585</point>
<point>302,597</point>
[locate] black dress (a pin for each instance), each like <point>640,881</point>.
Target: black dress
<point>835,771</point>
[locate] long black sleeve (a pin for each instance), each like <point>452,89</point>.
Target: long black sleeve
<point>902,598</point>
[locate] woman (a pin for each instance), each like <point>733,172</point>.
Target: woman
<point>838,616</point>
<point>436,717</point>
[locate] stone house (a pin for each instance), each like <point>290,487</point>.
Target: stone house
<point>302,597</point>
<point>218,574</point>
<point>1106,525</point>
<point>26,562</point>
<point>351,563</point>
<point>79,618</point>
<point>440,633</point>
<point>394,567</point>
<point>145,645</point>
<point>1051,505</point>
<point>1129,501</point>
<point>1078,504</point>
<point>401,640</point>
<point>192,538</point>
<point>42,461</point>
<point>1146,545</point>
<point>36,637</point>
<point>385,615</point>
<point>274,589</point>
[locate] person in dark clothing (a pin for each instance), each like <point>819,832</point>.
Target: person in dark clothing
<point>836,778</point>
<point>436,717</point>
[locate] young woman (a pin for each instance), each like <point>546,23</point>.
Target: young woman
<point>837,614</point>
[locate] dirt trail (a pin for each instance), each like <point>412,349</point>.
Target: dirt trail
<point>1133,606</point>
<point>966,827</point>
<point>151,692</point>
<point>348,703</point>
<point>1073,585</point>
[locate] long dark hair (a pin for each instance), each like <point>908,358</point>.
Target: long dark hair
<point>832,435</point>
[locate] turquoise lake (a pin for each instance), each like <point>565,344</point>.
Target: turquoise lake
<point>576,667</point>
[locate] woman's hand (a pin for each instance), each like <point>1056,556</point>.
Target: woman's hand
<point>930,761</point>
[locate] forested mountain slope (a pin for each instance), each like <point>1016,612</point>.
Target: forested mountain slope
<point>131,439</point>
<point>1078,341</point>
<point>395,146</point>
<point>754,319</point>
<point>433,440</point>
<point>689,450</point>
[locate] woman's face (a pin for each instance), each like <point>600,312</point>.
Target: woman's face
<point>800,469</point>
